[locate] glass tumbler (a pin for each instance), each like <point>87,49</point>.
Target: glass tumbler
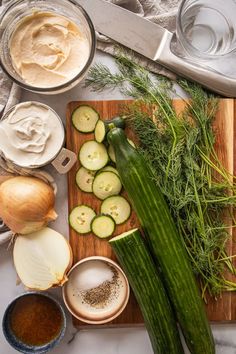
<point>207,28</point>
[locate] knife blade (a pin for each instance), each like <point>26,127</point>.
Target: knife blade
<point>154,42</point>
<point>127,28</point>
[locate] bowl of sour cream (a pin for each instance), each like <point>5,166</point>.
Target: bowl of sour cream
<point>32,136</point>
<point>47,46</point>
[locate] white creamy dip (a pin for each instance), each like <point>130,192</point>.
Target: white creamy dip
<point>31,135</point>
<point>48,49</point>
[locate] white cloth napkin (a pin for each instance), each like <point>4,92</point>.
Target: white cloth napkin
<point>9,92</point>
<point>162,12</point>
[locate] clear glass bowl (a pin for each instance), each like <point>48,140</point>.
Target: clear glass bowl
<point>17,10</point>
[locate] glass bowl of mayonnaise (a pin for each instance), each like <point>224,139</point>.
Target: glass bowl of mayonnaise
<point>47,46</point>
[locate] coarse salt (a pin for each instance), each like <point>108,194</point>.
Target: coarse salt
<point>92,274</point>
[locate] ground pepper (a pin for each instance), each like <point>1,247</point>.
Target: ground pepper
<point>100,296</point>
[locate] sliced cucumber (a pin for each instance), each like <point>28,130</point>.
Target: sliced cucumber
<point>80,218</point>
<point>93,155</point>
<point>100,131</point>
<point>84,179</point>
<point>106,184</point>
<point>109,168</point>
<point>111,151</point>
<point>117,207</point>
<point>132,143</point>
<point>103,225</point>
<point>102,127</point>
<point>84,118</point>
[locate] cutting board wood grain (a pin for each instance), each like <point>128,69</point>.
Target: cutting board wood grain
<point>221,310</point>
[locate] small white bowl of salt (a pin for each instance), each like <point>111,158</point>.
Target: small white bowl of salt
<point>97,290</point>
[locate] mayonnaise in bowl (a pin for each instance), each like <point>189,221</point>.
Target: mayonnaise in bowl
<point>47,46</point>
<point>48,49</point>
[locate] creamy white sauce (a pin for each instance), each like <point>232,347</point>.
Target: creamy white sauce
<point>31,135</point>
<point>48,50</point>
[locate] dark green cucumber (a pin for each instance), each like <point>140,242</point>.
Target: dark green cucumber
<point>149,292</point>
<point>111,151</point>
<point>102,127</point>
<point>165,243</point>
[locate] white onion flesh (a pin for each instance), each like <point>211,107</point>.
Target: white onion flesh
<point>42,259</point>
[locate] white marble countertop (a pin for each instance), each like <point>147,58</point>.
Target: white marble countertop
<point>95,341</point>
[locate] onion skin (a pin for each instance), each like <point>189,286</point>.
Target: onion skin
<point>26,204</point>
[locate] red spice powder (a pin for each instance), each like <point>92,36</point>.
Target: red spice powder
<point>35,319</point>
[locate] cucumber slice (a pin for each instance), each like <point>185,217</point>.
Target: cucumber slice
<point>100,131</point>
<point>103,226</point>
<point>84,118</point>
<point>117,207</point>
<point>93,155</point>
<point>102,127</point>
<point>111,151</point>
<point>80,219</point>
<point>109,168</point>
<point>106,184</point>
<point>84,179</point>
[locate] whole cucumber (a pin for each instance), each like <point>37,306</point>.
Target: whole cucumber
<point>165,243</point>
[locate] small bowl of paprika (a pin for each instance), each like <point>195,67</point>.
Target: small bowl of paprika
<point>34,323</point>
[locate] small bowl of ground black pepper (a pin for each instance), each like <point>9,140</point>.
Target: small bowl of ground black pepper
<point>97,290</point>
<point>34,323</point>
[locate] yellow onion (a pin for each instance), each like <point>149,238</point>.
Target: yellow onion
<point>42,259</point>
<point>26,204</point>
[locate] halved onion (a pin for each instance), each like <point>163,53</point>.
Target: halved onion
<point>42,259</point>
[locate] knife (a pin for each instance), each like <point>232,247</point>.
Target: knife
<point>154,42</point>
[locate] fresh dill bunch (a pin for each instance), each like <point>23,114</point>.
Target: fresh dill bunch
<point>100,78</point>
<point>180,150</point>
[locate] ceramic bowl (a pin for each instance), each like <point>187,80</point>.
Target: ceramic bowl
<point>19,345</point>
<point>63,160</point>
<point>87,314</point>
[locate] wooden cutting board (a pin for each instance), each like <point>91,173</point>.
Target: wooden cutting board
<point>220,310</point>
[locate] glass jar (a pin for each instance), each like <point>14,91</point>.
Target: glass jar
<point>19,10</point>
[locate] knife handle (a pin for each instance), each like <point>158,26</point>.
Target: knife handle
<point>207,77</point>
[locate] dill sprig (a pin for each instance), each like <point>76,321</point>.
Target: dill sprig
<point>180,150</point>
